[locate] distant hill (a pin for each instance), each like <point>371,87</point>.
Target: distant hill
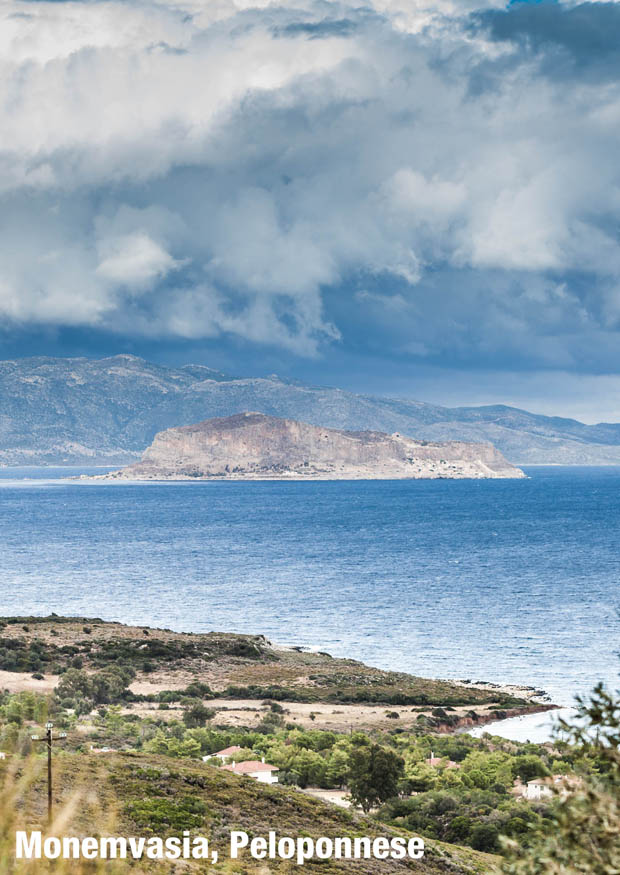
<point>107,411</point>
<point>253,446</point>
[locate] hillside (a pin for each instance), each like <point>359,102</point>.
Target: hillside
<point>236,672</point>
<point>256,446</point>
<point>141,795</point>
<point>107,411</point>
<point>142,706</point>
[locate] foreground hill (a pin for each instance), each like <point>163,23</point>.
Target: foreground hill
<point>107,411</point>
<point>135,794</point>
<point>256,446</point>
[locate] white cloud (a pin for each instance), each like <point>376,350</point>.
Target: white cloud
<point>134,260</point>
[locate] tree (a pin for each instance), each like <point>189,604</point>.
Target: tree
<point>478,778</point>
<point>74,684</point>
<point>374,775</point>
<point>310,768</point>
<point>158,744</point>
<point>189,747</point>
<point>95,688</point>
<point>459,829</point>
<point>337,768</point>
<point>197,714</point>
<point>529,767</point>
<point>484,837</point>
<point>421,777</point>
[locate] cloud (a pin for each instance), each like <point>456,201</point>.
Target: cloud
<point>134,260</point>
<point>432,179</point>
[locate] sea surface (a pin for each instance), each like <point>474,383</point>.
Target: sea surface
<point>500,580</point>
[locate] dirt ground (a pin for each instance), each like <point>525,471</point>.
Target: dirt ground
<point>17,682</point>
<point>338,718</point>
<point>336,797</point>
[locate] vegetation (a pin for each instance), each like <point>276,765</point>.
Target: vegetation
<point>374,774</point>
<point>456,791</point>
<point>242,666</point>
<point>471,817</point>
<point>81,690</point>
<point>152,795</point>
<point>159,786</point>
<point>584,833</point>
<point>470,804</point>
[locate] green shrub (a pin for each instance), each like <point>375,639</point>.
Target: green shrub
<point>162,815</point>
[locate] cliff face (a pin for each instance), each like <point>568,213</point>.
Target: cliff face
<point>255,446</point>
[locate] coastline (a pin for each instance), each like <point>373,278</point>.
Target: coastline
<point>241,672</point>
<point>296,476</point>
<point>533,727</point>
<point>539,701</point>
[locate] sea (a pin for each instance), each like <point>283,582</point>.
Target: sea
<point>507,581</point>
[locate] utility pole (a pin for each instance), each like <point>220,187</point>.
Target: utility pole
<point>48,738</point>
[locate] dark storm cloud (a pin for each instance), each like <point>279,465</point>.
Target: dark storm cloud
<point>318,29</point>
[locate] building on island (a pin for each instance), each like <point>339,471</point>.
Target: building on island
<point>257,769</point>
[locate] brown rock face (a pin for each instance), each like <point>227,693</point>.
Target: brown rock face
<point>255,446</point>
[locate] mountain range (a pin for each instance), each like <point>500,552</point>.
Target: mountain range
<point>107,411</point>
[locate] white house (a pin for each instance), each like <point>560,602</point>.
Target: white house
<point>539,788</point>
<point>222,755</point>
<point>543,788</point>
<point>260,771</point>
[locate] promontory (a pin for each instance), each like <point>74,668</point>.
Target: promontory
<point>253,446</point>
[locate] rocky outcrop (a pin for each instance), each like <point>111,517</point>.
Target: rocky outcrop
<point>256,446</point>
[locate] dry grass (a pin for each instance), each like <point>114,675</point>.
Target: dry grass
<point>125,794</point>
<point>23,806</point>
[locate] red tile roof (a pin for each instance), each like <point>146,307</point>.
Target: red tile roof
<point>228,751</point>
<point>438,761</point>
<point>250,766</point>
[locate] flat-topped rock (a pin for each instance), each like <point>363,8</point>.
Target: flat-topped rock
<point>250,446</point>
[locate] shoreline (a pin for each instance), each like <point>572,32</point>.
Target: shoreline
<point>240,672</point>
<point>521,691</point>
<point>115,466</point>
<point>298,476</point>
<point>532,727</point>
<point>510,714</point>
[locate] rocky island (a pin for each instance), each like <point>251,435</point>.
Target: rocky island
<point>253,446</point>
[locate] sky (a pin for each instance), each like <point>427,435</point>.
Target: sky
<point>417,198</point>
